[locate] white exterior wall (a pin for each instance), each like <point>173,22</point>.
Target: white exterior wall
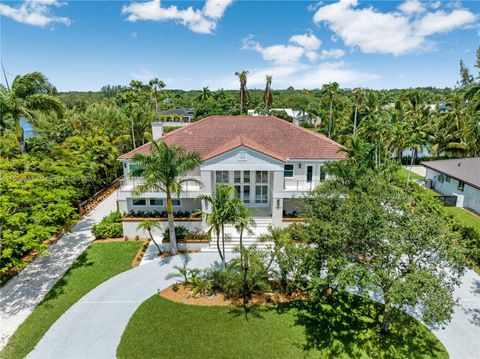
<point>471,195</point>
<point>130,228</point>
<point>186,204</point>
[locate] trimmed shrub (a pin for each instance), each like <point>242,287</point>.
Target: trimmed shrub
<point>109,227</point>
<point>183,233</point>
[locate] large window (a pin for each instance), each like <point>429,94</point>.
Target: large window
<point>246,176</point>
<point>261,194</point>
<point>288,171</point>
<point>139,201</point>
<point>261,176</point>
<point>176,202</point>
<point>246,194</point>
<point>237,176</point>
<point>157,202</point>
<point>221,176</point>
<point>135,167</point>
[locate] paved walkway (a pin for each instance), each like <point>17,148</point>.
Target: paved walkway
<point>92,328</point>
<point>22,293</point>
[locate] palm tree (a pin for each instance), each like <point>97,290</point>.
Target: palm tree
<point>242,76</point>
<point>358,94</point>
<point>29,93</point>
<point>148,226</point>
<point>156,86</point>
<point>223,207</point>
<point>164,170</point>
<point>244,222</point>
<point>204,95</point>
<point>332,89</point>
<point>267,96</point>
<point>130,98</point>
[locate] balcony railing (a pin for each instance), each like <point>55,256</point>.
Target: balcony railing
<point>189,186</point>
<point>299,185</point>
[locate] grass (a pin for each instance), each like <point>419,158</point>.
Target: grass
<point>465,217</point>
<point>98,263</point>
<point>404,174</point>
<point>344,328</point>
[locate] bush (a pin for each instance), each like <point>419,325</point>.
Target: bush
<point>182,233</point>
<point>159,214</point>
<point>167,129</point>
<point>471,242</point>
<point>109,227</point>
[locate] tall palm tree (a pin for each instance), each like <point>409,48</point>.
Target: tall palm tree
<point>242,77</point>
<point>332,89</point>
<point>267,96</point>
<point>358,94</point>
<point>28,93</point>
<point>223,207</point>
<point>164,170</point>
<point>156,86</point>
<point>149,226</point>
<point>130,98</point>
<point>244,222</point>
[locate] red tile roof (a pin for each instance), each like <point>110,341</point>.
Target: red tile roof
<point>269,135</point>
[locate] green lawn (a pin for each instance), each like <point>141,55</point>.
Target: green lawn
<point>466,217</point>
<point>161,328</point>
<point>404,174</point>
<point>98,263</point>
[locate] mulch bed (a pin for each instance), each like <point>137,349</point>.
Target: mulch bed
<point>184,295</point>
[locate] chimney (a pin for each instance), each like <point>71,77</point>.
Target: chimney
<point>157,130</point>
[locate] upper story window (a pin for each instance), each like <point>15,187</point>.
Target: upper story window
<point>221,176</point>
<point>135,167</point>
<point>261,176</point>
<point>237,176</point>
<point>447,179</point>
<point>288,171</point>
<point>441,178</point>
<point>461,186</point>
<point>246,176</point>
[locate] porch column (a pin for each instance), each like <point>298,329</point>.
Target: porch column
<point>277,199</point>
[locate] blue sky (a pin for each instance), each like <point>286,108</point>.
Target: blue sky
<point>83,45</point>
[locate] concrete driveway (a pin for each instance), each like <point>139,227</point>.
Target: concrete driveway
<point>92,327</point>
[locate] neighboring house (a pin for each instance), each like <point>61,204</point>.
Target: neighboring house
<point>457,177</point>
<point>178,115</point>
<point>269,161</point>
<point>297,116</point>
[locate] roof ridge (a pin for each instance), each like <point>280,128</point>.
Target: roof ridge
<point>135,149</point>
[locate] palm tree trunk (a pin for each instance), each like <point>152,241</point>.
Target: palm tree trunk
<point>218,246</point>
<point>171,225</point>
<point>19,134</point>
<point>355,119</point>
<point>133,132</point>
<point>330,120</point>
<point>223,244</point>
<point>155,242</point>
<point>241,100</point>
<point>244,272</point>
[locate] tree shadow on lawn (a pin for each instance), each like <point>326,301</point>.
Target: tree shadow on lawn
<point>348,325</point>
<point>58,289</point>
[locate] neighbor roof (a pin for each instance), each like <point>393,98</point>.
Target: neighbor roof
<point>269,135</point>
<point>464,169</point>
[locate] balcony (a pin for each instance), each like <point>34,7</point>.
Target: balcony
<point>131,183</point>
<point>292,185</point>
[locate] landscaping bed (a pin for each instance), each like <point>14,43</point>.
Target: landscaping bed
<point>338,328</point>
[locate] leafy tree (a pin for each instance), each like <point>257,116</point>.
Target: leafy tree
<point>379,239</point>
<point>466,77</point>
<point>29,93</point>
<point>164,170</point>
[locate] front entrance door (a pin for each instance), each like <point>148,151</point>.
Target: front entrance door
<point>309,174</point>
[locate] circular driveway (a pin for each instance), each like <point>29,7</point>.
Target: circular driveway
<point>93,326</point>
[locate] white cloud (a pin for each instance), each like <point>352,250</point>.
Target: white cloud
<point>308,41</point>
<point>197,20</point>
<point>300,46</point>
<point>143,74</point>
<point>332,53</point>
<point>387,32</point>
<point>34,12</point>
<point>440,21</point>
<point>412,7</point>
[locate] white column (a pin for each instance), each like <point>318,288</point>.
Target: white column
<point>277,200</point>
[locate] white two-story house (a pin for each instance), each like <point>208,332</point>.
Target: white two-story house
<point>269,161</point>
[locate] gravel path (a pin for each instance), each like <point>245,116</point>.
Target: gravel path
<point>22,293</point>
